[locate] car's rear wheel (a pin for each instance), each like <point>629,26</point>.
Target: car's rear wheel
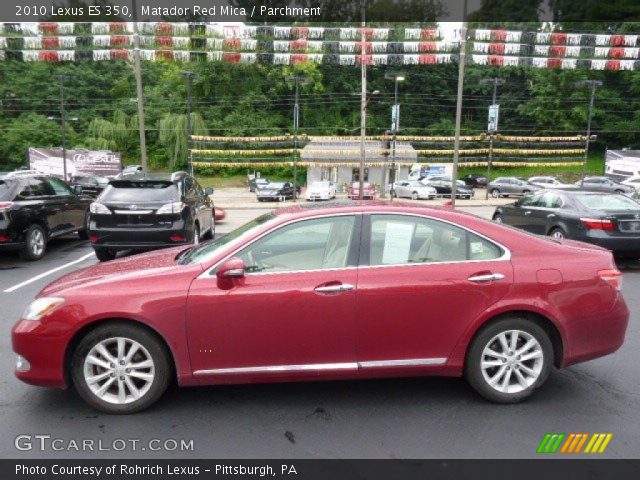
<point>120,368</point>
<point>495,193</point>
<point>509,359</point>
<point>498,219</point>
<point>414,196</point>
<point>526,192</point>
<point>84,232</point>
<point>105,254</point>
<point>35,243</point>
<point>558,233</point>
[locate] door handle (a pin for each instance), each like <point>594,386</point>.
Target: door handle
<point>486,278</point>
<point>551,215</point>
<point>343,287</point>
<point>528,212</point>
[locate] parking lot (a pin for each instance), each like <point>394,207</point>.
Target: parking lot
<point>400,418</point>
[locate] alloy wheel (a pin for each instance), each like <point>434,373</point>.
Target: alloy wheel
<point>36,242</point>
<point>558,234</point>
<point>512,361</point>
<point>119,370</point>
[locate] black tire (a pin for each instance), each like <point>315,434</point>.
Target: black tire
<point>558,232</point>
<point>35,243</point>
<point>414,196</point>
<point>84,232</point>
<point>105,254</point>
<point>473,371</point>
<point>498,218</point>
<point>495,193</point>
<point>620,191</point>
<point>526,192</point>
<point>162,366</point>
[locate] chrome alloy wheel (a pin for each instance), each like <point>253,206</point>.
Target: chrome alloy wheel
<point>119,370</point>
<point>512,361</point>
<point>36,242</point>
<point>557,234</point>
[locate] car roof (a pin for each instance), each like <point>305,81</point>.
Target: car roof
<point>141,177</point>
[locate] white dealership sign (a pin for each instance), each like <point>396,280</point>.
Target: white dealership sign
<point>79,162</point>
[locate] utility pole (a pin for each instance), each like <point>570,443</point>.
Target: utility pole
<point>189,76</point>
<point>140,92</point>
<point>63,120</point>
<point>495,82</point>
<point>363,102</point>
<point>297,80</point>
<point>456,144</point>
<point>594,84</point>
<point>395,126</point>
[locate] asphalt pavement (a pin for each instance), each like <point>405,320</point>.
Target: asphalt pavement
<point>395,418</point>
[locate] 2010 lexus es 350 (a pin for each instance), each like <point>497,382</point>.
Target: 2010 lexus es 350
<point>344,291</point>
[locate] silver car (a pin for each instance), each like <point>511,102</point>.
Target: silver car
<point>413,189</point>
<point>505,186</point>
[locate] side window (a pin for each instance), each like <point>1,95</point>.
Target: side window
<point>35,187</point>
<point>59,187</point>
<point>199,189</point>
<point>399,240</point>
<point>551,200</point>
<point>531,201</point>
<point>306,245</point>
<point>188,187</point>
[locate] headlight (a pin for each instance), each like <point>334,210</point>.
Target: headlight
<point>42,307</point>
<point>174,207</point>
<point>99,208</point>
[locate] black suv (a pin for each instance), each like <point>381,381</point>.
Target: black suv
<point>35,208</point>
<point>91,184</point>
<point>142,212</point>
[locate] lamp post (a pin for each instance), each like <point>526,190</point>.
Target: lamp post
<point>189,76</point>
<point>397,77</point>
<point>456,143</point>
<point>297,80</point>
<point>594,84</point>
<point>63,120</point>
<point>495,82</point>
<point>137,70</point>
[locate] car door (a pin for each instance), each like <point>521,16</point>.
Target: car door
<point>538,211</point>
<point>421,283</point>
<point>401,189</point>
<point>293,312</point>
<point>61,215</point>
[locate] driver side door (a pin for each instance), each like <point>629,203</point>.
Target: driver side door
<point>291,315</point>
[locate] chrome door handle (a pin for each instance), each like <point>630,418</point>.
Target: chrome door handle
<point>486,278</point>
<point>344,287</point>
<point>528,212</point>
<point>551,215</point>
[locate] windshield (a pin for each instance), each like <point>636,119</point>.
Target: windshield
<point>208,250</point>
<point>607,202</point>
<point>275,185</point>
<point>140,192</point>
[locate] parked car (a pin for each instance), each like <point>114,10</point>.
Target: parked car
<point>605,184</point>
<point>257,183</point>
<point>277,191</point>
<point>444,188</point>
<point>413,189</point>
<point>219,214</point>
<point>505,307</point>
<point>150,211</point>
<point>633,182</point>
<point>550,182</point>
<point>130,170</point>
<point>91,185</point>
<point>368,191</point>
<point>505,186</point>
<point>609,220</point>
<point>475,180</point>
<point>37,208</point>
<point>322,190</point>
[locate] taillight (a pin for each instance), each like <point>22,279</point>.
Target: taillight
<point>612,277</point>
<point>5,206</point>
<point>4,238</point>
<point>177,238</point>
<point>170,208</point>
<point>597,224</point>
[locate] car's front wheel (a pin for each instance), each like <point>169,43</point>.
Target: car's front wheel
<point>509,359</point>
<point>120,368</point>
<point>558,233</point>
<point>35,243</point>
<point>495,193</point>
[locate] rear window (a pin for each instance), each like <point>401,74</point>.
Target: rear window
<point>7,190</point>
<point>607,202</point>
<point>140,192</point>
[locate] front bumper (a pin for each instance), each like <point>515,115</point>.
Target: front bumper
<point>142,238</point>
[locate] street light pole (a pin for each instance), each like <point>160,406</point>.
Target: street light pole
<point>139,90</point>
<point>456,143</point>
<point>495,82</point>
<point>395,126</point>
<point>63,121</point>
<point>189,76</point>
<point>297,80</point>
<point>594,84</point>
<point>363,104</point>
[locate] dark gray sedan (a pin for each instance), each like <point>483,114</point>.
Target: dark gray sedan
<point>505,186</point>
<point>605,184</point>
<point>610,220</point>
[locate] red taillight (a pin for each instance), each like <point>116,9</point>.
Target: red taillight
<point>94,238</point>
<point>5,206</point>
<point>176,238</point>
<point>612,277</point>
<point>597,224</point>
<point>4,238</point>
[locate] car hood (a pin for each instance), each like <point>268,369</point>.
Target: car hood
<point>133,267</point>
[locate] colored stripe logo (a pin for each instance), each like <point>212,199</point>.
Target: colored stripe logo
<point>574,443</point>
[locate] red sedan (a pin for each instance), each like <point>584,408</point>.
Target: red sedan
<point>368,191</point>
<point>354,290</point>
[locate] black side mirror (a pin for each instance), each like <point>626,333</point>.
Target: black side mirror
<point>208,191</point>
<point>77,190</point>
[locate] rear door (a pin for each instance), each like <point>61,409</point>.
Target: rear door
<point>73,208</point>
<point>421,282</point>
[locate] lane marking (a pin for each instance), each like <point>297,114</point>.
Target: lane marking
<point>47,273</point>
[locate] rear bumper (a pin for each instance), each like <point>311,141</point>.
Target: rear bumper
<point>621,245</point>
<point>11,246</point>
<point>138,238</point>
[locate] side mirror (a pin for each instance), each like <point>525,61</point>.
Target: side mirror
<point>77,189</point>
<point>231,268</point>
<point>208,191</point>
